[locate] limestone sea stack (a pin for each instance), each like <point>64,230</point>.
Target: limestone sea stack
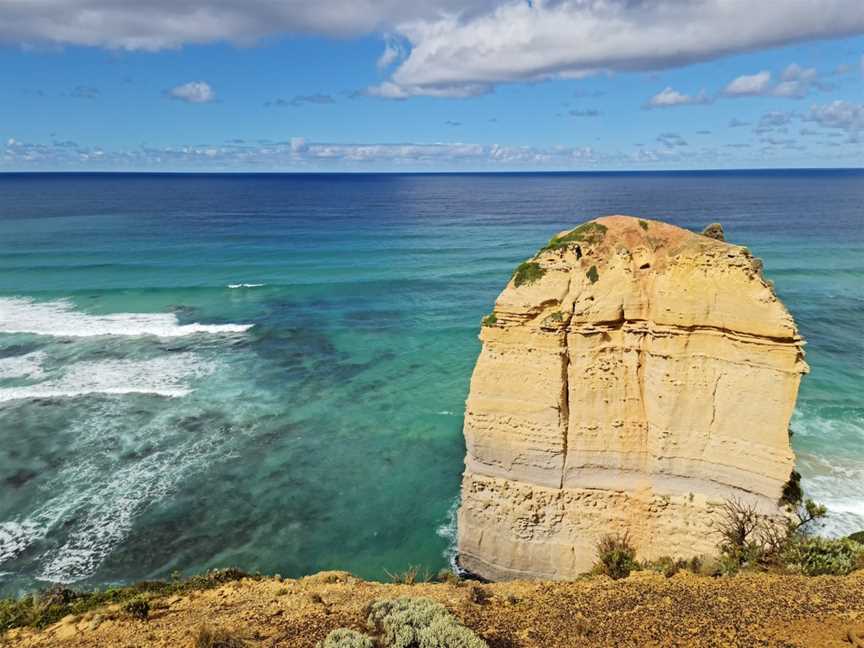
<point>633,377</point>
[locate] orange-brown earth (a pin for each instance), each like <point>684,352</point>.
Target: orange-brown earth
<point>643,610</point>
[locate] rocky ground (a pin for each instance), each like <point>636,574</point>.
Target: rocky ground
<point>643,610</point>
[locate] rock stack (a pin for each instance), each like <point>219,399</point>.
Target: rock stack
<point>634,375</point>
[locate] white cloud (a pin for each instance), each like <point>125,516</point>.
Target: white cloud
<point>842,115</point>
<point>669,97</point>
<point>453,47</point>
<point>193,92</point>
<point>527,41</point>
<point>748,85</point>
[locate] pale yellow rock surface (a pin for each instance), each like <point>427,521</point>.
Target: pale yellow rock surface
<point>637,377</point>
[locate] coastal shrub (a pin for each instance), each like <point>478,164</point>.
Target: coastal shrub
<point>138,608</point>
<point>448,576</point>
<point>616,557</point>
<point>345,638</point>
<point>411,576</point>
<point>41,609</point>
<point>527,273</point>
<point>490,320</point>
<point>739,525</point>
<point>792,493</point>
<point>419,623</point>
<point>818,556</point>
<point>591,232</point>
<point>644,225</point>
<point>210,637</point>
<point>665,565</point>
<point>592,274</point>
<point>858,537</point>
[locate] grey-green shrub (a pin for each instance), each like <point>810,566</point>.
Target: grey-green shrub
<point>345,638</point>
<point>817,556</point>
<point>419,623</point>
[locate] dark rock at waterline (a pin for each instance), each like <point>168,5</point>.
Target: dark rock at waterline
<point>714,231</point>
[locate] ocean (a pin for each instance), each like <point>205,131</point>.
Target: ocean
<point>269,371</point>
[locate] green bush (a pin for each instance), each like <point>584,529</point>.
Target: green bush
<point>527,273</point>
<point>490,320</point>
<point>419,623</point>
<point>792,493</point>
<point>644,225</point>
<point>592,274</point>
<point>138,608</point>
<point>818,556</point>
<point>616,557</point>
<point>345,638</point>
<point>858,537</point>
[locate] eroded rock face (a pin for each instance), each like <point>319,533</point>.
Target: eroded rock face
<point>634,376</point>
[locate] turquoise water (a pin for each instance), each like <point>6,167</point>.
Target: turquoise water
<point>270,371</point>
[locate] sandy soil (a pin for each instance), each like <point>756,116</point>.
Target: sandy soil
<point>644,610</point>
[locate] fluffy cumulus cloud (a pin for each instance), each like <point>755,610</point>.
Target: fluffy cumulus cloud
<point>669,97</point>
<point>795,82</point>
<point>193,92</point>
<point>453,47</point>
<point>748,85</point>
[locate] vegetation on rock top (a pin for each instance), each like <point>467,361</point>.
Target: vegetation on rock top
<point>527,273</point>
<point>590,232</point>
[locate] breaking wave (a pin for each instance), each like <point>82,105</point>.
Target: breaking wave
<point>60,319</point>
<point>246,285</point>
<point>163,376</point>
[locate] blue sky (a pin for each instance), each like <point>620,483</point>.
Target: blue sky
<point>483,85</point>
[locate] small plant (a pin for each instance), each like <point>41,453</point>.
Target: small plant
<point>857,537</point>
<point>490,320</point>
<point>616,557</point>
<point>818,556</point>
<point>644,225</point>
<point>345,638</point>
<point>419,623</point>
<point>138,608</point>
<point>410,576</point>
<point>592,274</point>
<point>477,594</point>
<point>738,527</point>
<point>590,232</point>
<point>209,637</point>
<point>448,576</point>
<point>527,273</point>
<point>792,493</point>
<point>666,565</point>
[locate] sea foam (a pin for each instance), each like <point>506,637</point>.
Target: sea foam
<point>246,285</point>
<point>162,376</point>
<point>22,366</point>
<point>60,319</point>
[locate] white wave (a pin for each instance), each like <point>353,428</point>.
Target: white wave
<point>246,285</point>
<point>163,376</point>
<point>449,531</point>
<point>61,319</point>
<point>23,366</point>
<point>92,501</point>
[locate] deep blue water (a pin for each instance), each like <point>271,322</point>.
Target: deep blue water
<point>311,418</point>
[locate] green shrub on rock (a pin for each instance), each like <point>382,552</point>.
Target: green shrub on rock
<point>527,273</point>
<point>819,556</point>
<point>419,623</point>
<point>857,537</point>
<point>345,638</point>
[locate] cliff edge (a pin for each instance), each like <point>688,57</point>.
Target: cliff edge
<point>633,376</point>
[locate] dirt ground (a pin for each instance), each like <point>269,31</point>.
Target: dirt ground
<point>643,610</point>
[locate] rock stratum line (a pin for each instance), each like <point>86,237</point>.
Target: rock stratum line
<point>633,376</point>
